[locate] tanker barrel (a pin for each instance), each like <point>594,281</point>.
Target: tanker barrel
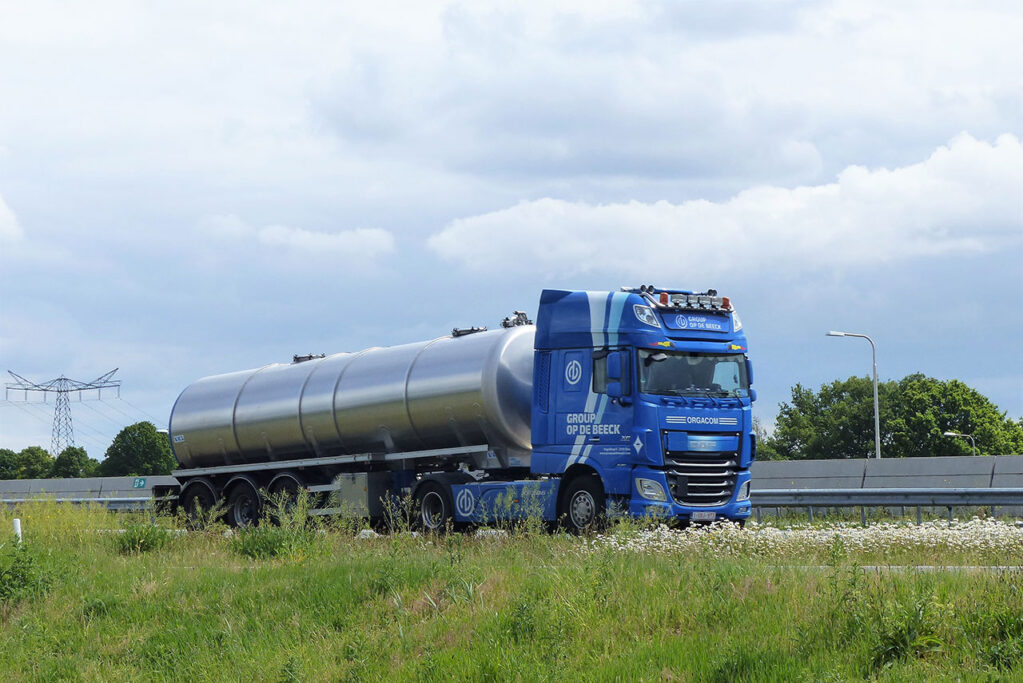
<point>448,392</point>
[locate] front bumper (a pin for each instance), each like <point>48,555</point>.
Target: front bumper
<point>672,509</point>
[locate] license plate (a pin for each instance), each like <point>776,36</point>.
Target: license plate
<point>703,516</point>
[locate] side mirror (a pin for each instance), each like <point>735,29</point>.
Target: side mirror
<point>752,395</point>
<point>749,371</point>
<point>614,389</point>
<point>614,369</point>
<point>655,358</point>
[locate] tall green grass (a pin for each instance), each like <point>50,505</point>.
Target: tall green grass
<point>521,605</point>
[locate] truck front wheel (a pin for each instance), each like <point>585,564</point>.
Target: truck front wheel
<point>583,504</point>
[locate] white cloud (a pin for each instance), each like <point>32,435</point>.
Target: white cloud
<point>9,227</point>
<point>363,242</point>
<point>360,243</point>
<point>682,90</point>
<point>967,196</point>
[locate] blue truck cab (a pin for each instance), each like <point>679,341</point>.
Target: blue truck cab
<point>647,390</point>
<point>641,406</point>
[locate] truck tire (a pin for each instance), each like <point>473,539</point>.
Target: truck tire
<point>244,505</point>
<point>197,498</point>
<point>282,495</point>
<point>583,505</point>
<point>434,508</point>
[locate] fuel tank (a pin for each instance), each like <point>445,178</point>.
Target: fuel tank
<point>448,392</point>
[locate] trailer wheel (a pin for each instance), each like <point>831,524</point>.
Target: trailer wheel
<point>583,504</point>
<point>282,496</point>
<point>243,506</point>
<point>197,498</point>
<point>433,502</point>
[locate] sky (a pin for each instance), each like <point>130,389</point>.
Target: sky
<point>193,188</point>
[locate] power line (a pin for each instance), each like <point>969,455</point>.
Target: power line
<point>152,418</point>
<point>63,434</point>
<point>106,417</point>
<point>22,408</point>
<point>37,412</point>
<point>118,410</point>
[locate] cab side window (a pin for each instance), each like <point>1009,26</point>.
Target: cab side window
<point>600,375</point>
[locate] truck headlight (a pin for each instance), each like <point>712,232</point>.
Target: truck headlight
<point>646,315</point>
<point>651,490</point>
<point>743,492</point>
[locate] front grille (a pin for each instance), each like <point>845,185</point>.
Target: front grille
<point>701,479</point>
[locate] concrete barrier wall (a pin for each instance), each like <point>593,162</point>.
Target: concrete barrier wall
<point>959,472</point>
<point>92,487</point>
<point>1008,471</point>
<point>808,474</point>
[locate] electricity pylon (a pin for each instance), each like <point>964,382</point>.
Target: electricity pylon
<point>63,432</point>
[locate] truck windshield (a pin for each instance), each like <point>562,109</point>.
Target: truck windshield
<point>681,373</point>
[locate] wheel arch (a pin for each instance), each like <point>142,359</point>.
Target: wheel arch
<point>236,480</point>
<point>578,470</point>
<point>445,479</point>
<point>202,482</point>
<point>284,476</point>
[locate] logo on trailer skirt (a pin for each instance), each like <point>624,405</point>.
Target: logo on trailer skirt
<point>465,502</point>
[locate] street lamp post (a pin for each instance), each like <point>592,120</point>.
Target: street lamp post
<point>964,436</point>
<point>877,419</point>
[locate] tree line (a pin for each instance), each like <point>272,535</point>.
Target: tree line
<point>137,449</point>
<point>837,421</point>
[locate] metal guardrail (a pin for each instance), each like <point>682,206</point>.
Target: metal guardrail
<point>886,497</point>
<point>920,498</point>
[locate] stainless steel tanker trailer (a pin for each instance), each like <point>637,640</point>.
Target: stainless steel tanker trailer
<point>474,425</point>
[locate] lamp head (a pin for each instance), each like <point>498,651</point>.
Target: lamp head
<point>833,333</point>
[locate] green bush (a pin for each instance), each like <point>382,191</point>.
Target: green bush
<point>20,574</point>
<point>906,629</point>
<point>268,541</point>
<point>286,530</point>
<point>141,538</point>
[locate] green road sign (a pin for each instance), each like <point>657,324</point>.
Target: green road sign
<point>139,483</point>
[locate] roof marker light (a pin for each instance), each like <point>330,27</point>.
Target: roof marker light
<point>726,302</point>
<point>664,298</point>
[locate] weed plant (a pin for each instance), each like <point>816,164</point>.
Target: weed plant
<point>285,531</point>
<point>399,514</point>
<point>203,520</point>
<point>141,537</point>
<point>20,573</point>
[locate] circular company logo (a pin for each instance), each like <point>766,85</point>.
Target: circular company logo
<point>465,502</point>
<point>681,322</point>
<point>573,372</point>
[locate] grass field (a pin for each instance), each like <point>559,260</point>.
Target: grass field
<point>92,595</point>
